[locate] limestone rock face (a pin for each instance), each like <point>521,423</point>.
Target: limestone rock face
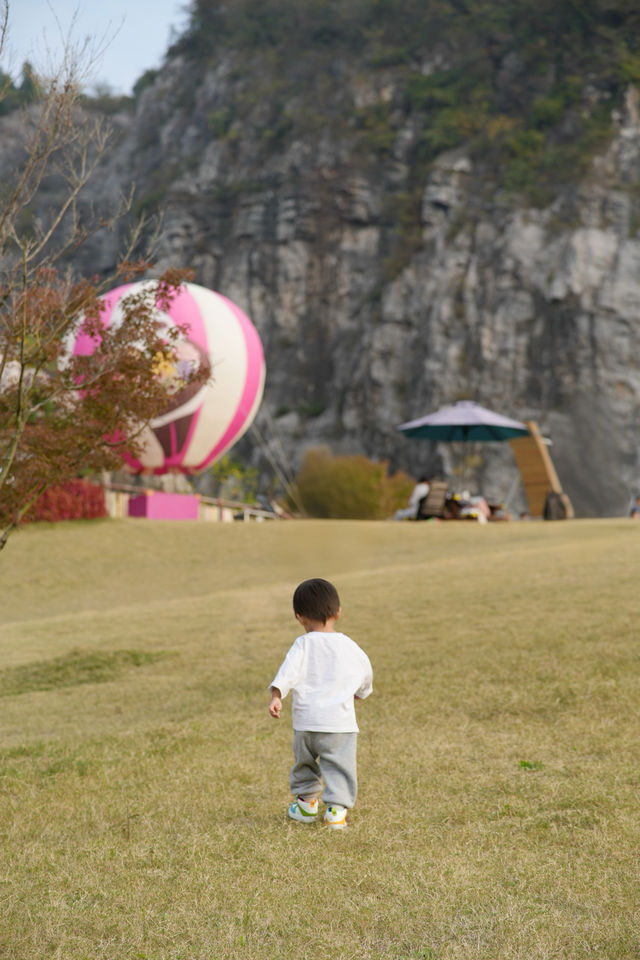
<point>369,317</point>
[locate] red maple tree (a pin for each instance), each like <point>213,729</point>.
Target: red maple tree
<point>62,414</point>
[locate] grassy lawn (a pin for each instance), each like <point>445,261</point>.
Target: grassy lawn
<point>144,786</point>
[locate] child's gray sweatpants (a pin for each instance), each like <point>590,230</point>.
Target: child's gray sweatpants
<point>325,756</point>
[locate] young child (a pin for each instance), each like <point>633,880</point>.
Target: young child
<point>325,670</point>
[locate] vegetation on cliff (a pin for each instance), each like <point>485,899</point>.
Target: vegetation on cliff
<point>15,95</point>
<point>528,88</point>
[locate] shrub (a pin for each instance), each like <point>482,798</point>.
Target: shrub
<point>232,480</point>
<point>349,487</point>
<point>75,500</point>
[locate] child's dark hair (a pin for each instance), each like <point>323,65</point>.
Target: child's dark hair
<point>316,600</point>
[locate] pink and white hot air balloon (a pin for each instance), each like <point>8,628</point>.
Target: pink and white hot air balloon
<point>206,420</point>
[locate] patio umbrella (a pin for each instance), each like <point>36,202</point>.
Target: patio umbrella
<point>464,421</point>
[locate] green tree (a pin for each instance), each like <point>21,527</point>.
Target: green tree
<point>233,480</point>
<point>31,88</point>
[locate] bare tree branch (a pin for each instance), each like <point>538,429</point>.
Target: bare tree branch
<point>60,412</point>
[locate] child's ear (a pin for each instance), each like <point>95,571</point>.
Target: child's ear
<point>337,616</point>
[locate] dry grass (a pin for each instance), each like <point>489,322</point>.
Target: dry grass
<point>144,785</point>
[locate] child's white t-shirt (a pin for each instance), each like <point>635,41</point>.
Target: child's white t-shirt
<point>325,671</point>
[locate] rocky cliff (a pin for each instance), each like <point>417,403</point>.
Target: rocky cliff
<point>385,285</point>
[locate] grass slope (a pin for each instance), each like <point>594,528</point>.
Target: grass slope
<point>144,784</point>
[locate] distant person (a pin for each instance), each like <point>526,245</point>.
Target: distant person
<point>634,513</point>
<point>418,493</point>
<point>325,670</point>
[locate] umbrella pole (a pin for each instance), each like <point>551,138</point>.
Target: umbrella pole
<point>466,459</point>
<point>515,483</point>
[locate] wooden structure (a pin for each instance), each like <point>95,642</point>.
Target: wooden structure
<point>538,473</point>
<point>434,504</point>
<point>126,500</point>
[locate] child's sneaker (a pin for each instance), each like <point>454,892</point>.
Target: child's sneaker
<point>335,817</point>
<point>306,811</point>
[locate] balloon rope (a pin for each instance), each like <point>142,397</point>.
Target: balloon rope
<point>277,442</point>
<point>288,484</point>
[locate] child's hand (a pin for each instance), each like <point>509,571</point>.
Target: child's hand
<point>275,707</point>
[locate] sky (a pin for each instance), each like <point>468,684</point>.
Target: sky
<point>127,37</point>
